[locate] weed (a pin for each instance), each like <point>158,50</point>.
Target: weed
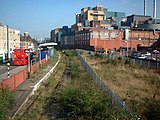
<point>6,102</point>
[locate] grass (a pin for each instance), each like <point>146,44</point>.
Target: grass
<point>40,71</point>
<point>82,99</point>
<point>6,102</point>
<point>35,107</point>
<point>138,87</point>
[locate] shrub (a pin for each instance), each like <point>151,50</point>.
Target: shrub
<point>6,102</point>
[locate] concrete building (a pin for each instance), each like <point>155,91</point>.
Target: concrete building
<point>68,40</point>
<point>53,34</point>
<point>99,17</point>
<point>9,39</point>
<point>56,34</point>
<point>134,20</point>
<point>91,14</point>
<point>115,18</point>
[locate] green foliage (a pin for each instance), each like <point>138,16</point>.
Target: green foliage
<point>88,103</point>
<point>127,62</point>
<point>113,62</point>
<point>75,73</point>
<point>83,99</point>
<point>152,109</point>
<point>6,102</point>
<point>99,55</point>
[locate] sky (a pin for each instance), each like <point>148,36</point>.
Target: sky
<point>39,17</point>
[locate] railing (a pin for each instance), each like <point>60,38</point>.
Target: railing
<point>153,64</point>
<point>119,104</point>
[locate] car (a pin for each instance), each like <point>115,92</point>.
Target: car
<point>142,57</point>
<point>150,58</point>
<point>156,52</point>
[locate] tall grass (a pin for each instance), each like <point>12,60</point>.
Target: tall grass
<point>83,99</point>
<point>138,87</point>
<point>6,102</point>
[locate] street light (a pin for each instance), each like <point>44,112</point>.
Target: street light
<point>127,47</point>
<point>8,44</point>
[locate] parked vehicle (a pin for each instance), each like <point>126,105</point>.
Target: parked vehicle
<point>21,56</point>
<point>150,58</point>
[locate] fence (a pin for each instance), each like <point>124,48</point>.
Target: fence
<point>21,75</point>
<point>153,64</point>
<point>110,93</point>
<point>144,63</point>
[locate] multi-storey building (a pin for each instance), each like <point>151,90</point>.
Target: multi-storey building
<point>103,39</point>
<point>57,34</point>
<point>119,39</point>
<point>94,30</point>
<point>9,39</point>
<point>53,34</point>
<point>95,17</point>
<point>135,20</point>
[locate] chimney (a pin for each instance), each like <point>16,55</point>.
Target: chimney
<point>154,9</point>
<point>144,7</point>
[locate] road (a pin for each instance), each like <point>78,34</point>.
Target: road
<point>4,68</point>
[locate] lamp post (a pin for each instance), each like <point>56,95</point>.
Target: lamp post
<point>127,47</point>
<point>8,44</point>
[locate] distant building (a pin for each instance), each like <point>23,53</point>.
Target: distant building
<point>134,20</point>
<point>56,34</point>
<point>99,29</point>
<point>9,37</point>
<point>26,34</point>
<point>26,40</point>
<point>115,18</point>
<point>104,39</point>
<point>53,34</point>
<point>99,17</point>
<point>150,24</point>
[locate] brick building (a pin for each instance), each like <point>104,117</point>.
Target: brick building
<point>100,38</point>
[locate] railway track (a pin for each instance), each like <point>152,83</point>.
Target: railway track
<point>33,101</point>
<point>52,111</point>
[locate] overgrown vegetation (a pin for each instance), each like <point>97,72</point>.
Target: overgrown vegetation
<point>35,107</point>
<point>138,87</point>
<point>6,102</point>
<point>41,68</point>
<point>82,99</point>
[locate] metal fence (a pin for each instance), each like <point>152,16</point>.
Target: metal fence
<point>119,104</point>
<point>153,64</point>
<point>144,63</point>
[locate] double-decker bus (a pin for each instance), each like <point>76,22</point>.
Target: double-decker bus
<point>21,56</point>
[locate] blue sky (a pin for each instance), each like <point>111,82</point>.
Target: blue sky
<point>39,17</point>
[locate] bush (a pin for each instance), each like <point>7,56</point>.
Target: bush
<point>99,55</point>
<point>75,73</point>
<point>6,102</point>
<point>113,62</point>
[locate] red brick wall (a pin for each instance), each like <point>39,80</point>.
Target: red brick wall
<point>147,38</point>
<point>14,81</point>
<point>17,79</point>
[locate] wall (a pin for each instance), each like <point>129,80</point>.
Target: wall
<point>17,79</point>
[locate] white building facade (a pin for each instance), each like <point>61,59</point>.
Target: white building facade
<point>9,39</point>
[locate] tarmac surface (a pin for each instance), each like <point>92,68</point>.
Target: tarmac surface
<point>4,68</point>
<point>12,70</point>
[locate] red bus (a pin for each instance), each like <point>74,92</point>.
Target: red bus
<point>21,56</point>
